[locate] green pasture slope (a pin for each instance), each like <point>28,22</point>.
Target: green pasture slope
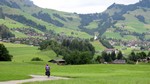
<point>24,53</point>
<point>21,67</point>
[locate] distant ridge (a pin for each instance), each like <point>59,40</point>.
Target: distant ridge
<point>123,22</point>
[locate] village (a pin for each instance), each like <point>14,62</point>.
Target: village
<point>34,38</point>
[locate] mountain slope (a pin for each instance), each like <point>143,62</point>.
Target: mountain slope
<point>24,14</point>
<point>120,22</point>
<point>135,24</point>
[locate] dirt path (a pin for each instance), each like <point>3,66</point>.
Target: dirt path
<point>33,79</point>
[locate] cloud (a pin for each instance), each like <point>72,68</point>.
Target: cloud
<point>80,6</point>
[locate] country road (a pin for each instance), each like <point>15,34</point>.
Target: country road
<point>33,79</point>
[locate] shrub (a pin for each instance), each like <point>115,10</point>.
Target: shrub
<point>130,62</point>
<point>36,59</point>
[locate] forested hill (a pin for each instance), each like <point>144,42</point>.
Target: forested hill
<point>119,22</point>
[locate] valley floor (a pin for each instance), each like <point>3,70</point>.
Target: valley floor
<point>78,74</point>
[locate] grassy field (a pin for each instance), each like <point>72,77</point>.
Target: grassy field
<point>21,67</point>
<point>82,74</point>
<point>110,34</point>
<point>127,50</point>
<point>75,33</point>
<point>92,25</point>
<point>18,70</point>
<point>24,53</point>
<point>132,24</point>
<point>102,74</point>
<point>98,46</point>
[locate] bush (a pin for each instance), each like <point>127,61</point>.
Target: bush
<point>130,62</point>
<point>36,59</point>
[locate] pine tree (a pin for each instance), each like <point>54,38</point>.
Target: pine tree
<point>120,55</point>
<point>4,54</point>
<point>113,55</point>
<point>133,57</point>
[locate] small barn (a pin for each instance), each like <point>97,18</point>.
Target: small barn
<point>58,61</point>
<point>148,58</point>
<point>119,61</point>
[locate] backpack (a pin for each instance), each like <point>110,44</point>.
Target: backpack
<point>47,68</point>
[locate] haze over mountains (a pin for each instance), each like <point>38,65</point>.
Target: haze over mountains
<point>120,22</point>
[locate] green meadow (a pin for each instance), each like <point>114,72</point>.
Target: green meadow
<point>101,74</point>
<point>74,33</point>
<point>98,46</point>
<point>24,53</point>
<point>21,67</point>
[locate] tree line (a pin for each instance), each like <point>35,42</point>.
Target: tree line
<point>73,51</point>
<point>24,20</point>
<point>46,17</point>
<point>131,58</point>
<point>109,57</point>
<point>137,56</point>
<point>5,32</point>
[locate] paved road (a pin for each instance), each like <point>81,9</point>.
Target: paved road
<point>33,79</point>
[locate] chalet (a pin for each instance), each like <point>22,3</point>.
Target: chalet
<point>119,61</point>
<point>17,42</point>
<point>109,51</point>
<point>5,40</point>
<point>58,61</point>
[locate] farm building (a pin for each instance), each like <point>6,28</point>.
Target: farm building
<point>109,51</point>
<point>119,61</point>
<point>58,61</point>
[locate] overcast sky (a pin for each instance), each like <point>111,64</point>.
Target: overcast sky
<point>80,6</point>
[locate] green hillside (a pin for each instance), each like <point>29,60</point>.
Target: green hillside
<point>98,46</point>
<point>131,16</point>
<point>24,14</point>
<point>117,22</point>
<point>24,53</point>
<point>132,21</point>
